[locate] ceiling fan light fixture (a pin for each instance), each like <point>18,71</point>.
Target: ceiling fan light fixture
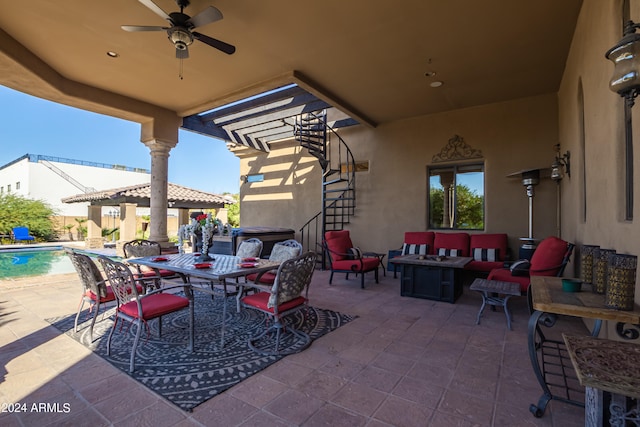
<point>180,38</point>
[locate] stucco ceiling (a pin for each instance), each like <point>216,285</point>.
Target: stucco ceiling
<point>368,57</point>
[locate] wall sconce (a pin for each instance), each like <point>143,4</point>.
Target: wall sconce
<point>624,56</point>
<point>626,83</point>
<point>560,162</point>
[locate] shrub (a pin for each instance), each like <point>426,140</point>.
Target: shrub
<point>18,211</point>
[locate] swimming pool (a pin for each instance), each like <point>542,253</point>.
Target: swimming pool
<point>34,262</point>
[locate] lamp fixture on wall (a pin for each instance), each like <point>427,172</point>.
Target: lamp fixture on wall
<point>624,55</point>
<point>626,83</point>
<point>560,162</point>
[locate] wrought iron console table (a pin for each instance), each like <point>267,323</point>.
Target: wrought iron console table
<point>549,357</point>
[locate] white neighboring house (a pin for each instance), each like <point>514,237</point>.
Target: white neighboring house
<point>50,179</point>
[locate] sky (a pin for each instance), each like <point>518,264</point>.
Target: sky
<point>30,125</point>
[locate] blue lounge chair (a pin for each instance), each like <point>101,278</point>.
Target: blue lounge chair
<point>21,234</point>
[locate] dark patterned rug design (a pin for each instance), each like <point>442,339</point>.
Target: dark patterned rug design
<point>166,366</point>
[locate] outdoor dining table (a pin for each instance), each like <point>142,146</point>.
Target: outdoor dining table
<point>215,271</point>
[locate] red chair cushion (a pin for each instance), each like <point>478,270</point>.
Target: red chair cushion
<point>267,278</point>
<point>549,254</point>
<point>155,305</point>
<point>110,295</point>
<point>368,264</point>
<point>152,273</point>
<point>260,300</point>
<point>459,241</point>
<point>504,275</point>
<point>338,243</point>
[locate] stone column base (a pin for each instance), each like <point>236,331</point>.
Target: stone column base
<point>94,243</point>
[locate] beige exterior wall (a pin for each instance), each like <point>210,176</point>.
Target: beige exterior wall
<point>593,203</point>
<point>391,196</point>
<point>585,117</point>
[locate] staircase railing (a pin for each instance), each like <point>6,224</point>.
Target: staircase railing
<point>67,177</point>
<point>338,178</point>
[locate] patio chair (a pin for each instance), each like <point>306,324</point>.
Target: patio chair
<point>250,248</point>
<point>549,259</point>
<point>281,251</point>
<point>345,258</point>
<point>95,290</point>
<point>21,234</point>
<point>147,276</point>
<point>285,297</point>
<point>140,309</point>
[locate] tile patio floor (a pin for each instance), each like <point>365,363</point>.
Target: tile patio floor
<point>403,362</point>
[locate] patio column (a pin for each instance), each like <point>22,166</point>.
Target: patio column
<point>94,228</point>
<point>159,183</point>
<point>127,223</point>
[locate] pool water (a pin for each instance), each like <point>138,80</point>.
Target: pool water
<point>34,262</point>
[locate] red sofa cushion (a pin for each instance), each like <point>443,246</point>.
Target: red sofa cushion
<point>459,241</point>
<point>498,241</point>
<point>420,238</point>
<point>338,243</point>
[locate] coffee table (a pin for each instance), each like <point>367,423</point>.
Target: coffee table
<point>431,277</point>
<point>495,293</point>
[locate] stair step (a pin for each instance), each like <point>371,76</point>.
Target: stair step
<point>336,181</point>
<point>337,190</point>
<point>331,172</point>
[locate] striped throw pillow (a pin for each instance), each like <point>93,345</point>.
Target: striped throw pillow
<point>414,249</point>
<point>447,252</point>
<point>484,254</point>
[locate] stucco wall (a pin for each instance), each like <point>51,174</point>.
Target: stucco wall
<point>597,179</point>
<point>391,196</point>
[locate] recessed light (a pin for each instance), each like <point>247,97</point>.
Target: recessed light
<point>436,84</point>
<point>112,54</point>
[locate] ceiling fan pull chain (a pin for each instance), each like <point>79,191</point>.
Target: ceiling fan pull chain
<point>181,69</point>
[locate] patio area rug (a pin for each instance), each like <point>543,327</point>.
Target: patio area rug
<point>166,366</point>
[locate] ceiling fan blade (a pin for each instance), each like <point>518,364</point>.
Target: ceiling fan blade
<point>142,28</point>
<point>207,16</point>
<point>182,53</point>
<point>156,9</point>
<point>220,45</point>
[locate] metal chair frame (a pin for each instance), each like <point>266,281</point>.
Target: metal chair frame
<point>293,277</point>
<point>124,288</point>
<point>88,272</point>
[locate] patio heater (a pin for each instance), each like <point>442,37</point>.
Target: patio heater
<point>530,178</point>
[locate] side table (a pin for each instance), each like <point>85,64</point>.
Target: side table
<point>495,293</point>
<point>609,371</point>
<point>380,256</point>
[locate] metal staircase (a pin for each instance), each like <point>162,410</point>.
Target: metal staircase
<point>66,176</point>
<point>338,178</point>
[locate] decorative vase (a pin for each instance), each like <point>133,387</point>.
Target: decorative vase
<point>196,241</point>
<point>621,284</point>
<point>587,253</point>
<point>600,262</point>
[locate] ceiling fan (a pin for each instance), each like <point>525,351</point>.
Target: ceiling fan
<point>181,31</point>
